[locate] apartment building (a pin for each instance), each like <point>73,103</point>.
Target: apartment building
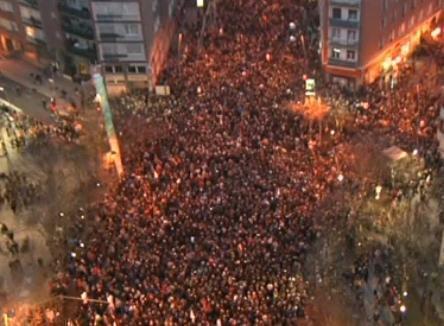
<point>79,50</point>
<point>364,39</point>
<point>30,27</point>
<point>128,39</point>
<point>133,38</point>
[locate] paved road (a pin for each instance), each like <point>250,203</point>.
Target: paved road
<point>30,101</point>
<point>15,72</point>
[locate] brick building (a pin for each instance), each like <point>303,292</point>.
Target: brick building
<point>364,39</point>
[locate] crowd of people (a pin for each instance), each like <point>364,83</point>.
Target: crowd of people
<point>18,191</point>
<point>215,214</point>
<point>17,132</point>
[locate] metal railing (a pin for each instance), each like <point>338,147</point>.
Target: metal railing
<point>82,31</point>
<point>82,13</point>
<point>30,3</point>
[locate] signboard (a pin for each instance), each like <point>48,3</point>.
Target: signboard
<point>163,90</point>
<point>310,85</point>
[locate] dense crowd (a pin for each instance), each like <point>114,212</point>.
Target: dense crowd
<point>17,132</point>
<point>214,216</point>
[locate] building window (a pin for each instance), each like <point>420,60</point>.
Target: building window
<point>133,69</point>
<point>135,48</point>
<point>351,55</point>
<point>335,53</point>
<point>337,13</point>
<point>351,35</point>
<point>352,14</point>
<point>132,29</point>
<point>336,32</point>
<point>116,69</point>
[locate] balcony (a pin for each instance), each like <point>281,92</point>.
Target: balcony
<point>85,32</point>
<point>114,56</point>
<point>36,41</point>
<point>342,63</point>
<point>118,17</point>
<point>83,13</point>
<point>109,36</point>
<point>339,42</point>
<point>116,36</point>
<point>30,3</point>
<point>89,53</point>
<point>32,21</point>
<point>344,23</point>
<point>348,3</point>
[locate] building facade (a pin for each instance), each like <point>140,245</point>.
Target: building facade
<point>133,39</point>
<point>364,39</point>
<point>128,39</point>
<point>30,27</point>
<point>79,49</point>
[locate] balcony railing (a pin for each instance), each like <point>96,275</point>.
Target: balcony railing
<point>117,36</point>
<point>344,23</point>
<point>109,36</point>
<point>30,3</point>
<point>81,13</point>
<point>350,3</point>
<point>338,42</point>
<point>117,17</point>
<point>89,53</point>
<point>36,41</point>
<point>114,56</point>
<point>78,30</point>
<point>32,21</point>
<point>342,63</point>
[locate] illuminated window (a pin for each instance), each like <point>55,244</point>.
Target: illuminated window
<point>335,53</point>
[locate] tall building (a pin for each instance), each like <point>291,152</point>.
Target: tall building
<point>128,39</point>
<point>30,27</point>
<point>363,39</point>
<point>79,50</point>
<point>133,38</point>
